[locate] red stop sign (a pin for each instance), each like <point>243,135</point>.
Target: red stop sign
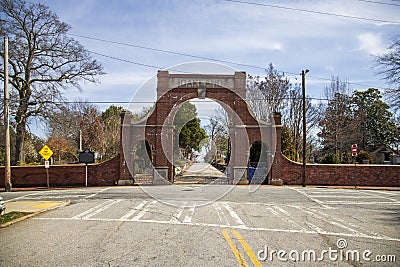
<point>354,150</point>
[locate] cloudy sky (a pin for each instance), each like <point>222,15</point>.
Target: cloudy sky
<point>248,35</point>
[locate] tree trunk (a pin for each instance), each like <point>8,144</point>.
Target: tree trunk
<point>21,121</point>
<point>20,143</point>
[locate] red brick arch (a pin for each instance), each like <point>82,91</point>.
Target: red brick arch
<point>175,89</point>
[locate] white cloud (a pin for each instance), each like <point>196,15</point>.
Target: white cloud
<point>370,43</point>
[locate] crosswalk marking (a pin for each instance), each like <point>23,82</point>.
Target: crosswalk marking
<point>335,223</point>
<point>224,218</point>
<point>288,218</point>
<point>134,210</point>
<point>81,215</point>
<point>144,211</point>
<point>380,196</point>
<point>178,213</point>
<point>95,212</point>
<point>221,214</point>
<point>285,216</point>
<point>188,218</point>
<point>233,214</point>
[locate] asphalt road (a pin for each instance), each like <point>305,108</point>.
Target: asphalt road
<point>207,225</point>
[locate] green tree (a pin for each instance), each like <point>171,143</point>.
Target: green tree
<point>330,158</point>
<point>374,118</point>
<point>43,59</point>
<point>186,112</point>
<point>190,136</point>
<point>188,129</point>
<point>337,125</point>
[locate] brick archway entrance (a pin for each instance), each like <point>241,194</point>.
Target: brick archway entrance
<point>157,129</point>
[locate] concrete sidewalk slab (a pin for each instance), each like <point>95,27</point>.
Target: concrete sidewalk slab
<point>33,206</point>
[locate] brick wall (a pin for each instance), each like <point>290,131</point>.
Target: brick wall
<point>340,174</point>
<point>108,173</point>
<point>102,174</point>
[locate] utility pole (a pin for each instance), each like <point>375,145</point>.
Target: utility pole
<point>80,141</point>
<point>7,172</point>
<point>303,86</point>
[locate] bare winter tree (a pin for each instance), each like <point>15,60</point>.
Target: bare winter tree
<point>267,95</point>
<point>43,59</point>
<point>83,117</point>
<point>389,68</point>
<point>293,117</point>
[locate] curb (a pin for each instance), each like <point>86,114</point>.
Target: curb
<point>33,214</point>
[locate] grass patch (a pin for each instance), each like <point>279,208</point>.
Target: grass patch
<point>11,216</point>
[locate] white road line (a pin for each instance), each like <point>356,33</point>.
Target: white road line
<point>80,215</point>
<point>281,210</point>
<point>97,211</point>
<point>101,191</point>
<point>322,217</point>
<point>379,196</point>
<point>314,227</point>
<point>277,212</point>
<point>352,224</point>
<point>233,214</point>
<point>134,210</point>
<point>338,202</point>
<point>260,229</point>
<point>53,196</point>
<point>350,197</point>
<point>188,218</point>
<point>144,211</point>
<point>321,203</point>
<point>221,214</point>
<point>386,193</point>
<point>22,197</point>
<point>178,213</point>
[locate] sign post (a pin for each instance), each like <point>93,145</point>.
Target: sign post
<point>46,153</point>
<point>86,157</point>
<point>354,151</point>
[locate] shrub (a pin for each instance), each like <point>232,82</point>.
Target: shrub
<point>362,155</point>
<point>330,159</point>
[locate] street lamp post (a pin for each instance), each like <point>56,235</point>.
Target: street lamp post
<point>303,86</point>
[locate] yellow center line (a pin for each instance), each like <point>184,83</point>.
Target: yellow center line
<point>247,248</point>
<point>239,256</point>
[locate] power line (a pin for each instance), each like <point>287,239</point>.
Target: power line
<point>169,52</point>
<point>216,60</point>
<point>191,56</point>
<point>381,3</point>
<point>313,11</point>
<point>126,60</point>
<point>194,101</point>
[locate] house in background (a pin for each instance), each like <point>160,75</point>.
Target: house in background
<point>385,155</point>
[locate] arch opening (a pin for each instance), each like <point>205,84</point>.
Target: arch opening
<point>209,155</point>
<point>260,161</point>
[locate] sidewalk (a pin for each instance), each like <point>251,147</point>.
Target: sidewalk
<point>33,207</point>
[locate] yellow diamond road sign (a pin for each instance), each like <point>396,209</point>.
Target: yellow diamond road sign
<point>46,152</point>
